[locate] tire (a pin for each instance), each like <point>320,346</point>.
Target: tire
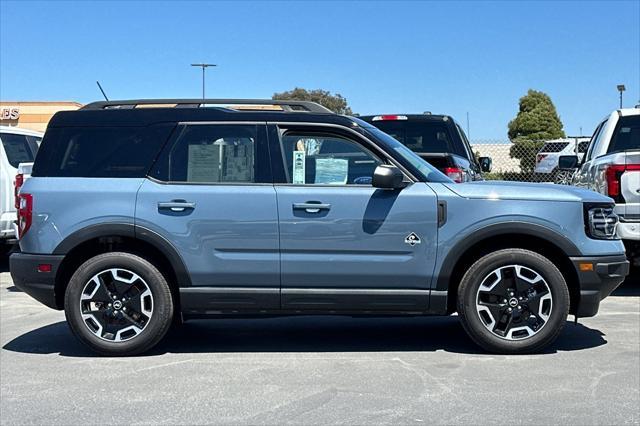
<point>118,304</point>
<point>500,324</point>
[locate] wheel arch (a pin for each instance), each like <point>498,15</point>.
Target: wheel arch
<point>537,238</point>
<point>102,238</point>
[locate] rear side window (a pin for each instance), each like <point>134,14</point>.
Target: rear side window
<point>627,134</point>
<point>582,146</point>
<point>554,146</point>
<point>19,148</point>
<point>214,153</point>
<point>100,151</point>
<point>422,137</point>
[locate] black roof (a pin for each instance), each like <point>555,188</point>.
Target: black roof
<point>151,111</point>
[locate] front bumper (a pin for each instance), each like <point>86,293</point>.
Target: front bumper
<point>606,274</point>
<point>39,285</point>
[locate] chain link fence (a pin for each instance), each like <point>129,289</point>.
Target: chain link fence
<point>529,161</point>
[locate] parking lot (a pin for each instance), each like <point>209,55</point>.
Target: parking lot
<point>320,370</point>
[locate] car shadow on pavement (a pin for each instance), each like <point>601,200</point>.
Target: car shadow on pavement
<point>302,334</point>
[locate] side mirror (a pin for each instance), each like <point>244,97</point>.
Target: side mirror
<point>485,164</point>
<point>387,177</point>
<point>568,162</point>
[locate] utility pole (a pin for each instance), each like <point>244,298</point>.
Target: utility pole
<point>621,89</point>
<point>203,66</point>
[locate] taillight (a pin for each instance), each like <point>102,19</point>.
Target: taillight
<point>613,175</point>
<point>454,173</point>
<point>541,157</point>
<point>389,117</point>
<point>16,188</point>
<point>25,211</point>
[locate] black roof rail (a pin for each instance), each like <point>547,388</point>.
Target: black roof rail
<point>287,106</point>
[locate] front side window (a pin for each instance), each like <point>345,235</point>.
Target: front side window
<point>595,140</point>
<point>326,159</point>
<point>210,154</point>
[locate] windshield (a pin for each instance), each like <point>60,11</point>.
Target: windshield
<point>408,157</point>
<point>19,148</point>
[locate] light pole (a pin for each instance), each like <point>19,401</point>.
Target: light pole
<point>621,89</point>
<point>203,66</point>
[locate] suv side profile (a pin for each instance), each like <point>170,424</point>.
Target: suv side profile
<point>138,217</point>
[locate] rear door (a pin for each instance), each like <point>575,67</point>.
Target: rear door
<point>210,194</point>
<point>345,245</point>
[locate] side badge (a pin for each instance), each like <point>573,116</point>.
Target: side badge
<point>412,239</point>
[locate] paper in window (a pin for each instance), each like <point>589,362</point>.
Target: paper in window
<point>332,171</point>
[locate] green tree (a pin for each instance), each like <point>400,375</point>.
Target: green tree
<point>537,121</point>
<point>336,103</point>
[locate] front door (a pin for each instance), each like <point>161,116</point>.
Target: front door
<point>345,245</point>
<point>211,196</point>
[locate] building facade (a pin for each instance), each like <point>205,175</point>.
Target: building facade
<point>32,115</point>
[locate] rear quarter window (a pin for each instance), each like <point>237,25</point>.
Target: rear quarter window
<point>99,151</point>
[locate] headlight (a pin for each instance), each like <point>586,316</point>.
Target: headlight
<point>600,221</point>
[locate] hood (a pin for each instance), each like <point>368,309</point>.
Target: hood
<point>501,190</point>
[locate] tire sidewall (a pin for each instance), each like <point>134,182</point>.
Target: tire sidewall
<point>482,268</point>
<point>162,303</point>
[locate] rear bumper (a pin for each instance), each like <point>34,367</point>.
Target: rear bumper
<point>39,285</point>
<point>607,274</point>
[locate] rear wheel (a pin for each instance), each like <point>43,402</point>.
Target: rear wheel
<point>513,301</point>
<point>118,304</point>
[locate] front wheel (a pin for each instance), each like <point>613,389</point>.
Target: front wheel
<point>118,304</point>
<point>513,301</point>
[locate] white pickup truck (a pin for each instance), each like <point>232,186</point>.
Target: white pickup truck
<point>611,166</point>
<point>18,149</point>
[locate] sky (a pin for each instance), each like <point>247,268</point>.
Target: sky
<point>385,57</point>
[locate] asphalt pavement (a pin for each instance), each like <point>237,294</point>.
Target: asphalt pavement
<point>316,370</point>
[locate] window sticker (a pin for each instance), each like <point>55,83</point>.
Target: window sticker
<point>204,163</point>
<point>332,171</point>
<point>298,177</point>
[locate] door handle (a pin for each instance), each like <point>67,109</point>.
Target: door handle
<point>176,205</point>
<point>311,207</point>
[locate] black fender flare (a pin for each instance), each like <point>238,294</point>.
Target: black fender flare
<point>128,230</point>
<point>502,228</point>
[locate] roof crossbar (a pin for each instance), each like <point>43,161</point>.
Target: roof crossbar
<point>285,105</point>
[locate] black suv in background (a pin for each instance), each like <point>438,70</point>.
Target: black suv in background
<point>436,138</point>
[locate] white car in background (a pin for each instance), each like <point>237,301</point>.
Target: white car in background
<point>548,156</point>
<point>18,149</point>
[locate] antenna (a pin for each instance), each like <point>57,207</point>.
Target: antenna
<point>100,87</point>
